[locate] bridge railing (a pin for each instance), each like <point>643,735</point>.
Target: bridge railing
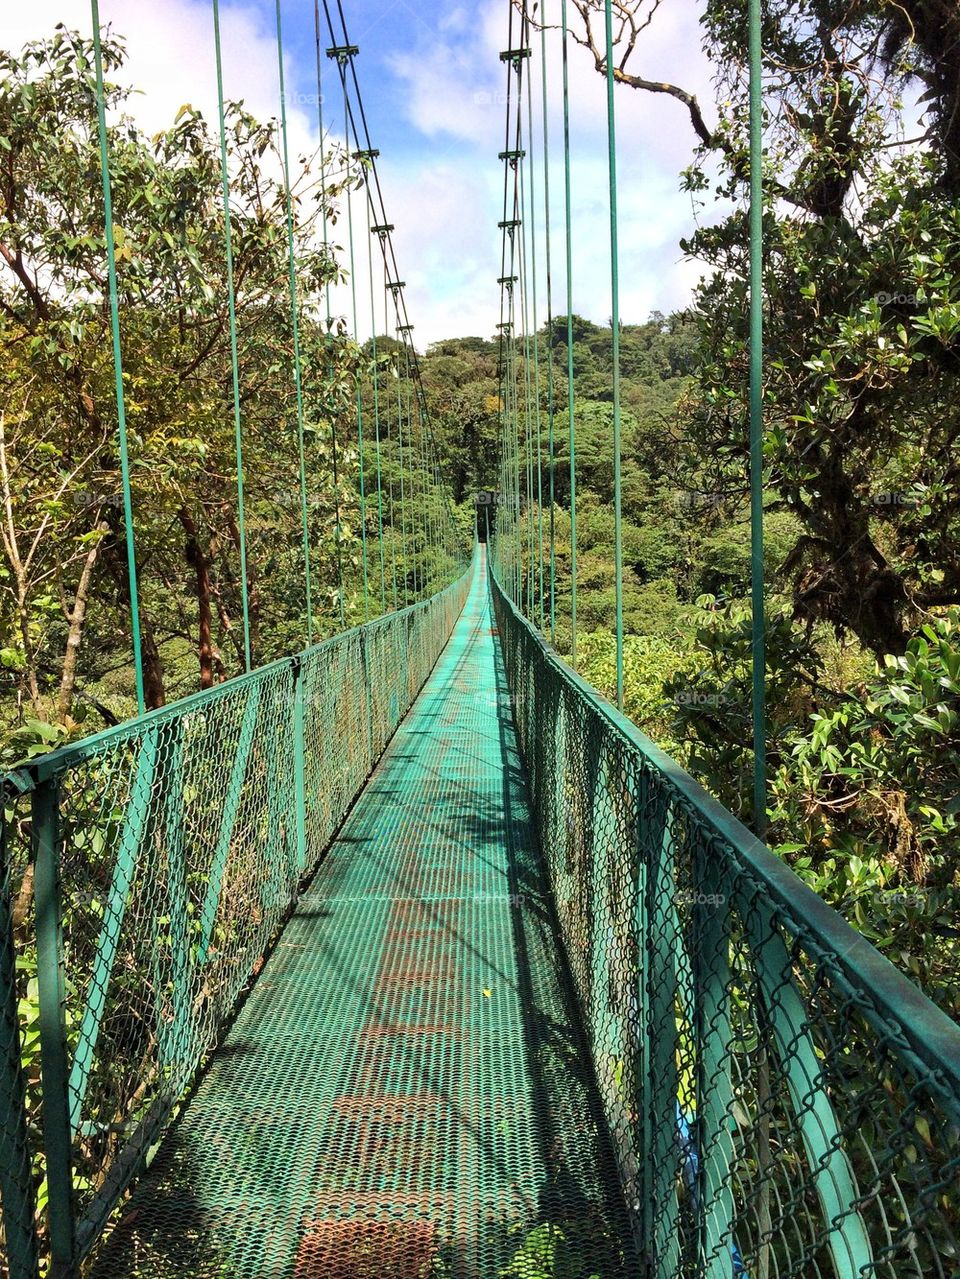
<point>782,1101</point>
<point>163,855</point>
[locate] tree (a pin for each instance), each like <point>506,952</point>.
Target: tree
<point>862,249</point>
<point>62,514</point>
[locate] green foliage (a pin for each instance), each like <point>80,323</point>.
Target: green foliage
<point>877,772</point>
<point>545,1253</point>
<point>650,664</point>
<point>64,592</point>
<point>863,781</point>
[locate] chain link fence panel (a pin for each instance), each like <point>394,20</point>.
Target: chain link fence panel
<point>783,1102</point>
<point>150,868</point>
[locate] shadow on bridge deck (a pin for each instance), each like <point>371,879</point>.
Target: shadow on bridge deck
<point>405,1093</point>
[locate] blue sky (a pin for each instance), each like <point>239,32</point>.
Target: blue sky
<point>432,86</point>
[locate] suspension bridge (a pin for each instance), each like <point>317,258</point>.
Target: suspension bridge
<point>408,955</point>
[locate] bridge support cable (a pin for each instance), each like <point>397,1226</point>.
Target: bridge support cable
<point>517,278</point>
<point>118,361</point>
<point>435,521</point>
<point>234,357</point>
<point>410,496</point>
<point>571,408</point>
<point>758,665</point>
<point>514,362</point>
<point>615,328</point>
<point>328,334</point>
<point>387,409</point>
<point>551,404</point>
<point>295,332</point>
<point>528,396</point>
<point>527,578</point>
<point>530,220</point>
<point>375,375</point>
<point>342,54</point>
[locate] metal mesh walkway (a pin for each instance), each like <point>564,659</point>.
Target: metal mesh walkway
<point>405,1092</point>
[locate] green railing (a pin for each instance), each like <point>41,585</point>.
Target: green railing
<point>164,854</point>
<point>782,1101</point>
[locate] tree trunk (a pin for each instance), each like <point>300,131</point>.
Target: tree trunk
<point>75,619</point>
<point>198,561</point>
<point>253,594</point>
<point>154,693</point>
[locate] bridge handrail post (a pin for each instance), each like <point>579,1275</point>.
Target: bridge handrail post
<point>712,980</point>
<point>367,699</point>
<point>299,764</point>
<point>55,1075</point>
<point>17,1197</point>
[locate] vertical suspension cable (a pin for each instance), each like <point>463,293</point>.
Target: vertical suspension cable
<point>521,269</point>
<point>506,511</point>
<point>758,665</point>
<point>412,484</point>
<point>388,437</point>
<point>568,219</point>
<point>403,499</point>
<point>118,363</point>
<point>376,403</point>
<point>427,517</point>
<point>515,437</point>
<point>356,337</point>
<point>527,403</point>
<point>295,329</point>
<point>615,325</point>
<point>550,387</point>
<point>234,358</point>
<point>536,335</point>
<point>328,337</point>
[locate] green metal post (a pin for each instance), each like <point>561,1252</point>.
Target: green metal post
<point>615,323</point>
<point>295,332</point>
<point>570,400</point>
<point>367,697</point>
<point>234,357</point>
<point>299,766</point>
<point>550,388</point>
<point>17,1196</point>
<point>356,337</point>
<point>531,184</point>
<point>118,362</point>
<point>403,500</point>
<point>55,1074</point>
<point>660,961</point>
<point>136,823</point>
<point>756,422</point>
<point>376,408</point>
<point>231,803</point>
<point>711,968</point>
<point>337,539</point>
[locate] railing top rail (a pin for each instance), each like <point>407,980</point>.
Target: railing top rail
<point>932,1035</point>
<point>23,777</point>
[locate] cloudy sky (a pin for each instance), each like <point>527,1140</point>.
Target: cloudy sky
<point>433,90</point>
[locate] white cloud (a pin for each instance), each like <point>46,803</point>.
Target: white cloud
<point>444,192</point>
<point>456,92</point>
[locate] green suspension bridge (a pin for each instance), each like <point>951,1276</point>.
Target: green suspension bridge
<point>407,954</point>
